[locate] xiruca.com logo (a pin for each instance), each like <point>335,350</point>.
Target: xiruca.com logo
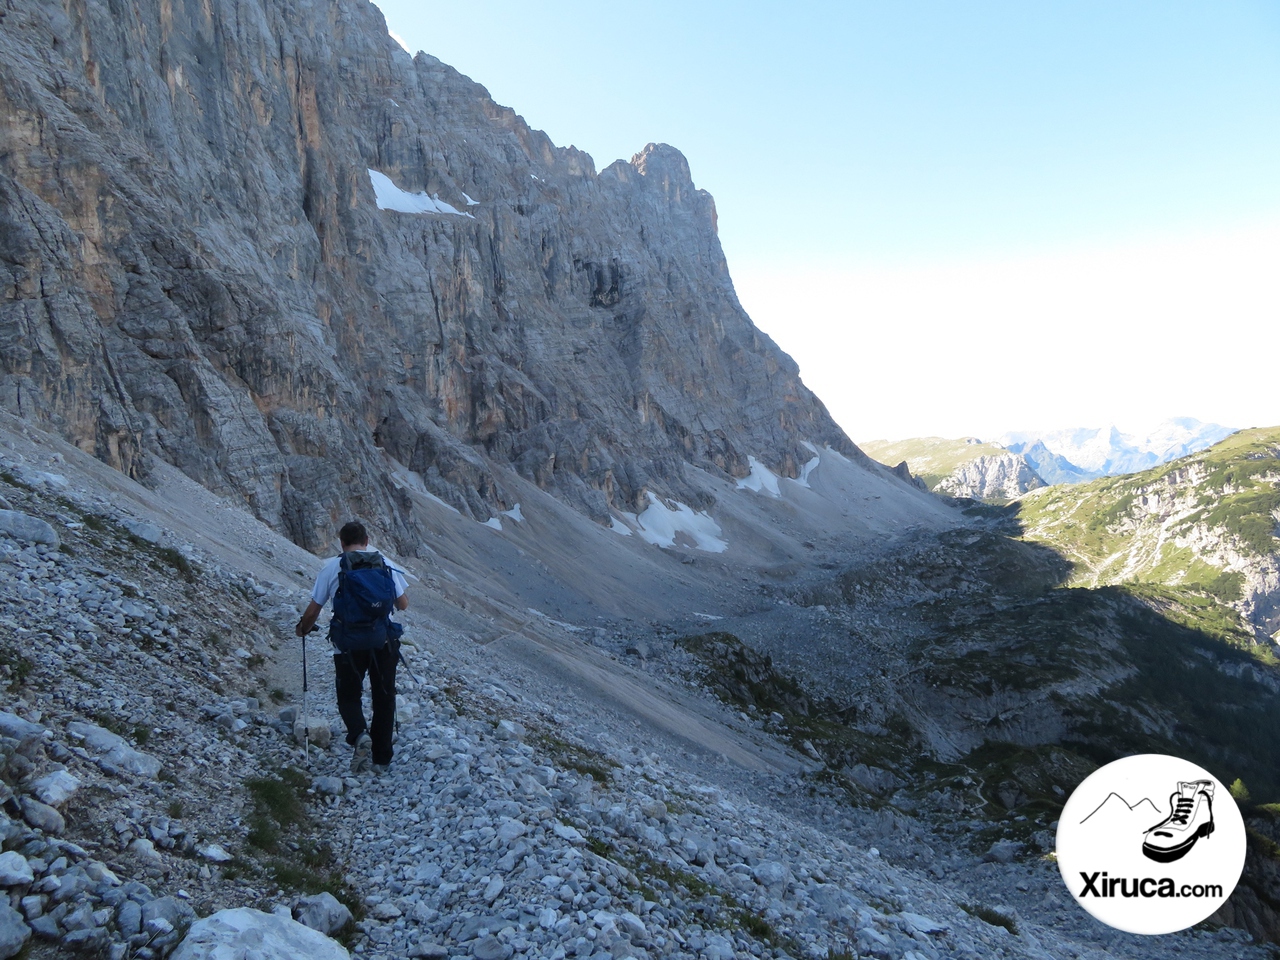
<point>1143,864</point>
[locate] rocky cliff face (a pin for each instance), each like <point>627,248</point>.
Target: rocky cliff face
<point>194,264</point>
<point>1005,476</point>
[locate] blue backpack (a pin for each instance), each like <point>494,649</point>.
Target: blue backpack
<point>363,605</point>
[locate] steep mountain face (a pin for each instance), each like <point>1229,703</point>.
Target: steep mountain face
<point>1005,476</point>
<point>961,468</point>
<point>195,264</point>
<point>1201,529</point>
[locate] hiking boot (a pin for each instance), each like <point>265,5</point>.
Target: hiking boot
<point>362,758</point>
<point>381,769</point>
<point>1190,818</point>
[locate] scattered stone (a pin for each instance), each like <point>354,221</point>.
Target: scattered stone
<point>511,830</point>
<point>215,853</point>
<point>15,871</point>
<point>386,911</point>
<point>145,849</point>
<point>509,730</point>
<point>1003,851</point>
<point>314,729</point>
<point>329,786</point>
<point>770,873</point>
<point>143,530</point>
<point>490,947</point>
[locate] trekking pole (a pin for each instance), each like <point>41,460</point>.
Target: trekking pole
<point>306,715</point>
<point>405,663</point>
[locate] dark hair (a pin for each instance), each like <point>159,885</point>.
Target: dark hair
<point>353,534</point>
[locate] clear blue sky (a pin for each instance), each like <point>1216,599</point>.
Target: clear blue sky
<point>852,136</point>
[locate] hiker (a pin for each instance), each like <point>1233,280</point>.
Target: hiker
<point>364,588</point>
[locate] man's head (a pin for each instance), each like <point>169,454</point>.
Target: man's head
<point>353,535</point>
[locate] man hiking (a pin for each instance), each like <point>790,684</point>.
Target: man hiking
<point>364,589</point>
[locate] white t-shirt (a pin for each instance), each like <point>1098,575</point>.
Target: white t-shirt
<point>327,581</point>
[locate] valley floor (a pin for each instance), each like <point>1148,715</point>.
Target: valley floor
<point>549,798</point>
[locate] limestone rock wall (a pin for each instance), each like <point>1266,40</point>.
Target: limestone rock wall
<point>193,265</point>
<point>1006,476</point>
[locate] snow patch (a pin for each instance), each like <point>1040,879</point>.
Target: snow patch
<point>470,202</point>
<point>400,40</point>
<point>761,479</point>
<point>707,616</point>
<point>493,523</point>
<point>391,197</point>
<point>514,513</point>
<point>620,528</point>
<point>660,525</point>
<point>807,469</point>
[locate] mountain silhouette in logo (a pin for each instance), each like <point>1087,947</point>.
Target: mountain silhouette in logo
<point>1117,811</point>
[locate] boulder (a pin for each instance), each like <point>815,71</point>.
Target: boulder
<point>22,526</point>
<point>115,754</point>
<point>314,729</point>
<point>242,932</point>
<point>56,788</point>
<point>42,816</point>
<point>14,933</point>
<point>771,873</point>
<point>329,786</point>
<point>12,725</point>
<point>323,912</point>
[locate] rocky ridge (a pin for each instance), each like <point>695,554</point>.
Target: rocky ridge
<point>1003,477</point>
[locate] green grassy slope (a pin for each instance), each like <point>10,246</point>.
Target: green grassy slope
<point>1194,536</point>
<point>930,458</point>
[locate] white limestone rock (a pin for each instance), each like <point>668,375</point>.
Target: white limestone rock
<point>244,932</point>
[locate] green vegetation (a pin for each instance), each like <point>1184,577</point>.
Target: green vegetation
<point>1131,523</point>
<point>720,909</point>
<point>14,667</point>
<point>991,915</point>
<point>283,846</point>
<point>575,756</point>
<point>744,678</point>
<point>1152,533</point>
<point>1240,792</point>
<point>932,459</point>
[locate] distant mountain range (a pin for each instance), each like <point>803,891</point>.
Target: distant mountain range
<point>1024,460</point>
<point>1085,453</point>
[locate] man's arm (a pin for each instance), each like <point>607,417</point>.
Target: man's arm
<point>308,619</point>
<point>402,602</point>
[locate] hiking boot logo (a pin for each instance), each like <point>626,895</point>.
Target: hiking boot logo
<point>1190,818</point>
<point>1126,856</point>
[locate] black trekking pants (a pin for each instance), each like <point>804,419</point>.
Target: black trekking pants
<point>349,670</point>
